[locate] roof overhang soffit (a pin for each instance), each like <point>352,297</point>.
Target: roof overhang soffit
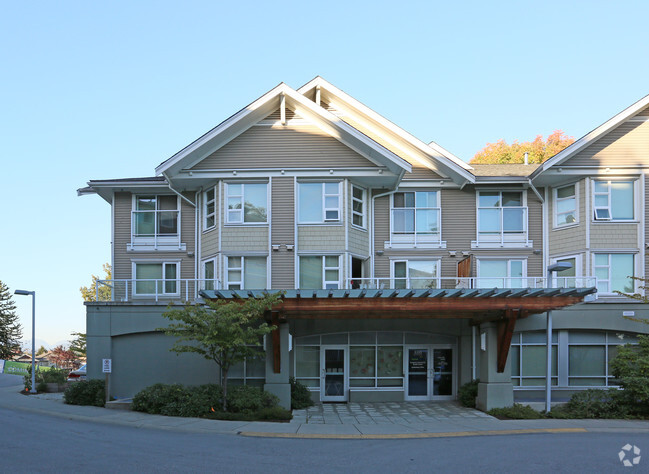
<point>247,117</point>
<point>107,189</point>
<point>430,155</point>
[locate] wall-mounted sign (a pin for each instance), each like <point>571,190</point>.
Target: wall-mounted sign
<point>106,365</point>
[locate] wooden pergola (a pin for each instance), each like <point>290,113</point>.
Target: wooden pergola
<point>502,306</point>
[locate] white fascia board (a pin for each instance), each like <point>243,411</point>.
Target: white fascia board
<point>460,167</point>
<point>590,137</point>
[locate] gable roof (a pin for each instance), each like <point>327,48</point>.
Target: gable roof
<point>266,104</point>
<point>592,136</point>
<point>430,155</point>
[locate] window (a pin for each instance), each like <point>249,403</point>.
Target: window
<point>613,272</point>
<point>247,203</point>
<point>358,206</point>
<point>501,273</point>
<point>209,274</point>
<point>528,359</point>
<point>155,216</point>
<point>568,278</point>
<point>501,216</point>
<point>209,208</point>
<point>246,273</point>
<point>415,213</point>
<point>252,371</point>
<point>613,200</point>
<point>318,202</point>
<point>416,274</point>
<point>156,278</point>
<point>565,205</point>
<point>320,272</point>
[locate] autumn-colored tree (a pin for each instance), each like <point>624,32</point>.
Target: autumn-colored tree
<point>64,358</point>
<point>90,293</point>
<point>539,150</point>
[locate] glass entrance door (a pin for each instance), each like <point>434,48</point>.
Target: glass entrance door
<point>333,383</point>
<point>418,376</point>
<point>442,372</point>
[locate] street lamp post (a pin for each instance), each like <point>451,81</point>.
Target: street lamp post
<point>557,267</point>
<point>33,293</point>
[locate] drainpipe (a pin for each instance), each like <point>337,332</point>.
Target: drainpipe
<point>176,192</point>
<point>473,370</point>
<point>526,158</point>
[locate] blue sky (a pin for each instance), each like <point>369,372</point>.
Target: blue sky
<point>110,90</point>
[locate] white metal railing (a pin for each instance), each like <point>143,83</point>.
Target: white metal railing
<point>470,282</point>
<point>153,289</point>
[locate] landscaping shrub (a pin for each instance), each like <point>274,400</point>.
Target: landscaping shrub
<point>516,412</point>
<point>300,395</point>
<point>631,368</point>
<point>86,392</point>
<point>45,375</point>
<point>247,399</point>
<point>467,393</point>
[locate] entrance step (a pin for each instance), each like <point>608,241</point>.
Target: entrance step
<point>121,404</point>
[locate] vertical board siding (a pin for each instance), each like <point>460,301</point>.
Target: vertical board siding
<point>283,146</point>
<point>283,232</point>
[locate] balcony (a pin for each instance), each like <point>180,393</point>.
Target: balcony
<point>139,290</point>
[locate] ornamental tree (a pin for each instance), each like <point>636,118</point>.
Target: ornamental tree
<point>78,344</point>
<point>539,150</point>
<point>90,293</point>
<point>10,328</point>
<point>226,332</point>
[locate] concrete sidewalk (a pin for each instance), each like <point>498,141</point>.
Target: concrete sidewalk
<point>11,399</point>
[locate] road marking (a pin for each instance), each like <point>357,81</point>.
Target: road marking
<point>454,434</point>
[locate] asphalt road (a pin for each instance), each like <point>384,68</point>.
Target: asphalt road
<point>36,443</point>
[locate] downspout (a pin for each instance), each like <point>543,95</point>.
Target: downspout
<point>536,191</point>
<point>176,192</point>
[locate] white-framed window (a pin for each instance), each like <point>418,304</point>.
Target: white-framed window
<point>613,272</point>
<point>319,202</point>
<point>416,273</point>
<point>528,359</point>
<point>252,371</point>
<point>613,200</point>
<point>568,278</point>
<point>320,272</point>
<point>247,203</point>
<point>209,208</point>
<point>246,273</point>
<point>415,218</point>
<point>209,275</point>
<point>502,216</point>
<point>156,278</point>
<point>358,206</point>
<point>501,273</point>
<point>565,205</point>
<point>155,216</point>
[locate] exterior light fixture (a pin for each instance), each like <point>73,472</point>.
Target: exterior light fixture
<point>33,293</point>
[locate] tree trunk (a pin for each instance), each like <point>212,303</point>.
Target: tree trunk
<point>224,377</point>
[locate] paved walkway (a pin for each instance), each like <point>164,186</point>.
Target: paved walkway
<point>354,421</point>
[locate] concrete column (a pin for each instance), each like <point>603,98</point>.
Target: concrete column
<point>278,384</point>
<point>495,390</point>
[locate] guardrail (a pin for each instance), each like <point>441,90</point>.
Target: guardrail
<point>152,289</point>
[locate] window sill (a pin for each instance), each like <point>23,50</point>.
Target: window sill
<point>567,226</point>
<point>306,224</point>
<point>602,222</point>
<point>134,247</point>
<point>246,224</point>
<point>501,245</point>
<point>411,245</point>
<point>359,228</point>
<point>209,229</point>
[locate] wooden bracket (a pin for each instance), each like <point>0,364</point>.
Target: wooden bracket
<point>505,333</point>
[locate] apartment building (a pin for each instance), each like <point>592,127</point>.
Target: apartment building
<point>406,271</point>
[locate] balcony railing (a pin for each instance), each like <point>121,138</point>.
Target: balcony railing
<point>188,289</point>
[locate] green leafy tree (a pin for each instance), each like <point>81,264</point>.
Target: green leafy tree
<point>78,344</point>
<point>226,332</point>
<point>90,293</point>
<point>10,328</point>
<point>631,367</point>
<point>41,350</point>
<point>642,297</point>
<point>538,150</point>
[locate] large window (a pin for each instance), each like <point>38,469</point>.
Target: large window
<point>500,273</point>
<point>528,359</point>
<point>209,208</point>
<point>252,371</point>
<point>502,216</point>
<point>590,354</point>
<point>415,216</point>
<point>209,275</point>
<point>247,203</point>
<point>156,278</point>
<point>358,206</point>
<point>416,273</point>
<point>155,216</point>
<point>568,278</point>
<point>613,200</point>
<point>321,272</point>
<point>565,205</point>
<point>247,273</point>
<point>318,202</point>
<point>613,272</point>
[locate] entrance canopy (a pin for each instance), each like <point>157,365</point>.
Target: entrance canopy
<point>503,306</point>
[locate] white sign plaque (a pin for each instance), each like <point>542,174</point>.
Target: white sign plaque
<point>628,313</point>
<point>106,365</point>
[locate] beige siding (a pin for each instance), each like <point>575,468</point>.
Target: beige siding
<point>283,232</point>
<point>565,240</point>
<point>420,172</point>
<point>325,238</point>
<point>359,239</point>
<point>283,146</point>
<point>535,233</point>
<point>613,236</point>
<point>244,239</point>
<point>626,145</point>
<point>458,225</point>
<point>209,243</point>
<point>381,234</point>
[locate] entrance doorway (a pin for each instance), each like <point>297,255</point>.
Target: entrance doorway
<point>333,379</point>
<point>429,372</point>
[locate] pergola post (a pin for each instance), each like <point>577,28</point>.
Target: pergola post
<point>277,357</point>
<point>495,389</point>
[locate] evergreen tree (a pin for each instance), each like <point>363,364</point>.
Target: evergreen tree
<point>10,329</point>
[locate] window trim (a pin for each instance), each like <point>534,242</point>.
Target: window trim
<point>242,283</point>
<point>242,196</point>
<point>363,201</point>
<point>608,280</point>
<point>323,196</point>
<point>213,214</point>
<point>609,206</point>
<point>555,206</point>
<point>339,268</point>
<point>508,277</point>
<point>518,239</point>
<point>578,268</point>
<point>163,293</point>
<point>414,238</point>
<point>215,280</point>
<point>406,260</point>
